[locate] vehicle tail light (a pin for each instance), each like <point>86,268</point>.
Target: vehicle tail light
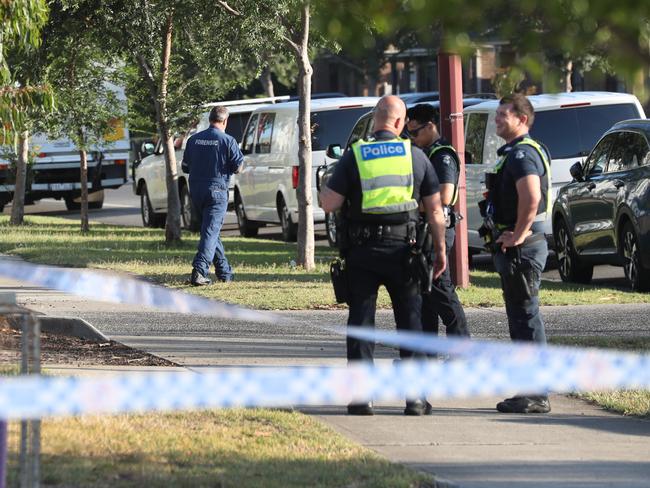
<point>42,155</point>
<point>3,166</point>
<point>582,104</point>
<point>120,162</point>
<point>295,173</point>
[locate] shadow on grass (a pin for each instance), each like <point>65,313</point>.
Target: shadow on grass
<point>194,467</point>
<point>493,281</point>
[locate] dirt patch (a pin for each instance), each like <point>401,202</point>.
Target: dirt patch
<point>59,349</point>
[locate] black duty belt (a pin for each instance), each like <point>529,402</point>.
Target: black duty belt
<point>362,233</point>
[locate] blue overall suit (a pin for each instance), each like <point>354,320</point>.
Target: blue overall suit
<point>211,157</point>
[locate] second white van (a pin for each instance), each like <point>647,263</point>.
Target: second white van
<point>265,189</point>
<point>568,124</point>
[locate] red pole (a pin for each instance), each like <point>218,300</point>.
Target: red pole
<point>450,81</point>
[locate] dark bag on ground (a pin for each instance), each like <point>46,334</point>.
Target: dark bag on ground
<point>340,282</point>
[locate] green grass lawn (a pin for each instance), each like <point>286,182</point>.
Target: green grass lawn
<point>265,277</point>
<point>627,402</point>
<point>223,448</point>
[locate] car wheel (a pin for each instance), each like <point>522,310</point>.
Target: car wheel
<point>636,274</point>
<point>189,216</point>
<point>246,227</point>
<point>571,268</point>
<point>70,204</point>
<point>330,228</point>
<point>149,217</point>
<point>98,202</point>
<point>289,229</point>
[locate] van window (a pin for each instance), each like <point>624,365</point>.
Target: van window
<point>249,138</point>
<point>573,132</point>
<point>476,125</point>
<point>236,125</point>
<point>359,130</point>
<point>333,126</point>
<point>265,129</point>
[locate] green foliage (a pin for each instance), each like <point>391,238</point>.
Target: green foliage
<point>20,24</point>
<point>572,29</point>
<point>213,51</point>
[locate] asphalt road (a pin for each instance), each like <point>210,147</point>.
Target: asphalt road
<point>122,207</point>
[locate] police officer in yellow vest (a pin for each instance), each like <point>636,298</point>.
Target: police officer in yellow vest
<point>443,302</point>
<point>378,184</point>
<point>519,198</point>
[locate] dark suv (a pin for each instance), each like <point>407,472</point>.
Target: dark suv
<point>603,215</point>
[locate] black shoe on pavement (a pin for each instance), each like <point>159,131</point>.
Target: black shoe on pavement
<point>360,409</point>
<point>415,407</point>
<point>523,404</point>
<point>197,279</point>
<point>428,408</point>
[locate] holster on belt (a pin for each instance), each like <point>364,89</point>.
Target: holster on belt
<point>419,258</point>
<point>340,282</point>
<point>519,279</point>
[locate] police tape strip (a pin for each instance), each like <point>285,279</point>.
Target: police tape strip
<point>38,396</point>
<point>489,368</point>
<point>109,287</point>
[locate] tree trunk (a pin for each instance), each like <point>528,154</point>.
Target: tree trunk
<point>267,82</point>
<point>83,157</point>
<point>18,205</point>
<point>305,256</point>
<point>173,225</point>
<point>568,72</point>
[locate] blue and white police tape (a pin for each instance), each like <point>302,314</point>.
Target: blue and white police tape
<point>110,287</point>
<point>36,396</point>
<point>487,368</point>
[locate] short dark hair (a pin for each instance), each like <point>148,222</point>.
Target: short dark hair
<point>423,113</point>
<point>218,114</point>
<point>520,106</point>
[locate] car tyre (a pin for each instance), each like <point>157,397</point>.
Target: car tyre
<point>149,217</point>
<point>247,228</point>
<point>331,229</point>
<point>189,216</point>
<point>570,266</point>
<point>70,204</point>
<point>289,229</point>
<point>636,274</point>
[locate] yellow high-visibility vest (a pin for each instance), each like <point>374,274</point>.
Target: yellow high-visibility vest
<point>386,171</point>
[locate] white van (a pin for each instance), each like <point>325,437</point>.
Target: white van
<point>55,172</point>
<point>265,189</point>
<point>569,125</point>
<point>149,176</point>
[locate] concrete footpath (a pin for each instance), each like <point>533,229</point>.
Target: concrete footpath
<point>464,443</point>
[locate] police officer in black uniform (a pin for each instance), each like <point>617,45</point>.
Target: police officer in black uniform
<point>443,302</point>
<point>518,201</point>
<point>378,184</point>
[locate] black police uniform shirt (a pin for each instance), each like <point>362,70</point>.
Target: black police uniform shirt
<point>211,156</point>
<point>444,163</point>
<point>346,181</point>
<point>521,160</point>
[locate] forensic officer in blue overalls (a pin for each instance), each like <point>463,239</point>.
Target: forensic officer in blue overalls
<point>379,183</point>
<point>516,208</point>
<point>211,157</point>
<point>442,301</point>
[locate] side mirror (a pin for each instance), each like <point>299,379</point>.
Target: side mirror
<point>334,151</point>
<point>147,149</point>
<point>576,171</point>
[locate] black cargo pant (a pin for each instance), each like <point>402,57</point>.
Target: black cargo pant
<point>443,301</point>
<point>370,266</point>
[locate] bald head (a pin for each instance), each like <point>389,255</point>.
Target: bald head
<point>390,114</point>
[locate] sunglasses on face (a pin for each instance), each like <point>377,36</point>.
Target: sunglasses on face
<point>413,133</point>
